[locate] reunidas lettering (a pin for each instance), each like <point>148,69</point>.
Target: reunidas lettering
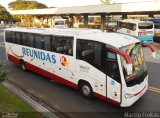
<point>39,55</point>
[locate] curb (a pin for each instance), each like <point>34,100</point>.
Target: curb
<point>47,113</point>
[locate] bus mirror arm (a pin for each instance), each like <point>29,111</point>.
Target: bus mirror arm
<point>127,58</point>
<point>151,48</point>
<point>129,66</point>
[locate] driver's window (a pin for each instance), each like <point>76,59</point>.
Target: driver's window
<point>112,67</point>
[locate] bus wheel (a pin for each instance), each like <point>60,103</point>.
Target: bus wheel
<point>86,89</point>
<point>23,65</point>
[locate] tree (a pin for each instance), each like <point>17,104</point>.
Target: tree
<point>3,74</point>
<point>24,5</point>
<point>107,1</point>
<point>104,1</point>
<point>4,14</point>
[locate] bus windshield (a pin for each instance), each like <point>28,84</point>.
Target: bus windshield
<point>145,25</point>
<point>157,25</point>
<point>139,72</point>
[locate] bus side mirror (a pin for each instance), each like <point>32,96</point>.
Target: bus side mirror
<point>129,68</point>
<point>151,48</point>
<point>127,58</point>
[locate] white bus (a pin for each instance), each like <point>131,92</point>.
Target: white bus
<point>143,30</point>
<point>60,23</point>
<point>109,66</point>
<point>156,29</point>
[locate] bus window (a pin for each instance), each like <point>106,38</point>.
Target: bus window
<point>90,52</point>
<point>145,25</point>
<point>47,43</point>
<point>122,25</point>
<point>28,39</point>
<point>157,25</point>
<point>112,67</point>
<point>13,37</point>
<point>38,42</point>
<point>132,26</point>
<point>18,37</point>
<point>63,45</point>
<point>8,37</point>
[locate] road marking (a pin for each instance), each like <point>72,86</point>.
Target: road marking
<point>154,89</point>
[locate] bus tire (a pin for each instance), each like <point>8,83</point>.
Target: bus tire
<point>86,89</point>
<point>23,65</point>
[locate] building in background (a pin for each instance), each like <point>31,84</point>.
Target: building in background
<point>93,16</point>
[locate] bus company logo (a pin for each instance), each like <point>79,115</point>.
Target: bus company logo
<point>64,61</point>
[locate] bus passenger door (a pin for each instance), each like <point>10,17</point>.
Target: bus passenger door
<point>113,79</point>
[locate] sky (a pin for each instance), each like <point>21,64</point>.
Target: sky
<point>67,3</point>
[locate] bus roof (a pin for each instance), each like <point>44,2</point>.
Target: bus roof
<point>135,21</point>
<point>60,19</point>
<point>113,39</point>
<point>155,20</point>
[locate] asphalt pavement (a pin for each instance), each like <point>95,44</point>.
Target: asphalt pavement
<point>70,102</point>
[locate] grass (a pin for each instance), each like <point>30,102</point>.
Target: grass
<point>12,105</point>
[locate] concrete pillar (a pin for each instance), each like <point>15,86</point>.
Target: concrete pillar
<point>41,20</point>
<point>107,21</point>
<point>85,21</point>
<point>34,17</point>
<point>71,21</point>
<point>124,16</point>
<point>47,21</point>
<point>103,22</point>
<point>51,22</point>
<point>76,22</point>
<point>21,21</point>
<point>151,15</point>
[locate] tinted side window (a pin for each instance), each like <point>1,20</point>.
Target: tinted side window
<point>132,26</point>
<point>31,39</point>
<point>112,67</point>
<point>47,43</point>
<point>24,39</point>
<point>38,42</point>
<point>13,37</point>
<point>28,39</point>
<point>7,35</point>
<point>90,52</point>
<point>18,37</point>
<point>63,45</point>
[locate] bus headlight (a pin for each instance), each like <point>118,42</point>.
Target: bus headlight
<point>128,96</point>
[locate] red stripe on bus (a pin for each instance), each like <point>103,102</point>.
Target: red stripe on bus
<point>56,78</point>
<point>43,72</point>
<point>99,96</point>
<point>140,91</point>
<point>50,75</point>
<point>106,99</point>
<point>13,59</point>
<point>113,101</point>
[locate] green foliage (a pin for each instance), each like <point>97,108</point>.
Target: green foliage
<point>3,74</point>
<point>16,18</point>
<point>23,5</point>
<point>9,103</point>
<point>104,1</point>
<point>4,14</point>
